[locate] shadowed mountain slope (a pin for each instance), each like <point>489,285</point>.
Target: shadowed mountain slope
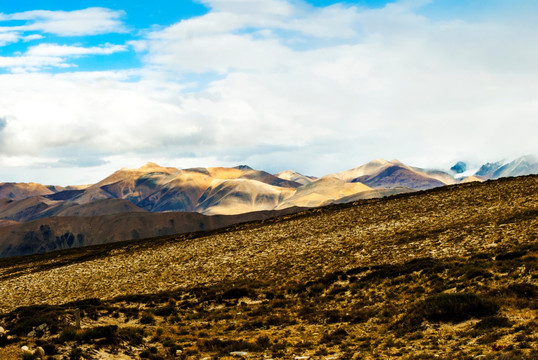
<point>25,209</point>
<point>399,175</point>
<point>389,174</point>
<point>64,232</point>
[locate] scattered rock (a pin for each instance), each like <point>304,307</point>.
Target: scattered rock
<point>39,352</point>
<point>239,353</point>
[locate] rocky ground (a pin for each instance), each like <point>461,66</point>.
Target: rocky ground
<point>446,273</point>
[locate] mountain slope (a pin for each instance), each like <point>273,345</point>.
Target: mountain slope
<point>389,174</point>
<point>524,165</point>
<point>399,175</point>
<point>322,191</point>
<point>64,232</point>
<point>296,177</point>
<point>240,196</point>
<point>26,209</point>
<point>20,191</point>
<point>448,273</point>
<point>368,169</point>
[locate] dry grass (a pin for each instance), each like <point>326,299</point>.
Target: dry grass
<point>448,273</point>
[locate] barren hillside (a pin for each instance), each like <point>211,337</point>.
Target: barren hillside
<point>444,273</point>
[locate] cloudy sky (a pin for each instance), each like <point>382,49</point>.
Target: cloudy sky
<point>90,86</point>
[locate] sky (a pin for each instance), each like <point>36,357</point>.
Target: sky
<point>318,86</point>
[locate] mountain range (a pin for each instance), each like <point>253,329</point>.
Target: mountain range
<point>153,200</point>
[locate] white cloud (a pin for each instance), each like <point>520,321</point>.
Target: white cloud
<point>66,50</point>
<point>8,38</point>
<point>43,56</point>
<point>11,37</point>
<point>90,21</point>
<point>315,90</point>
<point>33,37</point>
<point>19,64</point>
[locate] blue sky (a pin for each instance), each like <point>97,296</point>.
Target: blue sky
<point>87,87</point>
<point>136,18</point>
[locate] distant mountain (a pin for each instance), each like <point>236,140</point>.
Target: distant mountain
<point>383,174</point>
<point>209,191</point>
<point>19,191</point>
<point>367,169</point>
<point>391,174</point>
<point>524,165</point>
<point>296,177</point>
<point>459,167</point>
<point>238,196</point>
<point>487,170</point>
<point>322,191</point>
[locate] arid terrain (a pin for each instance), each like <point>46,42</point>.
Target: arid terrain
<point>447,273</point>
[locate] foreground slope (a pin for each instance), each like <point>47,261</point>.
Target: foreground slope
<point>449,273</point>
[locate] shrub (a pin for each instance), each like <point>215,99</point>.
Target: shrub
<point>236,293</point>
<point>68,334</point>
<point>452,308</point>
<point>164,311</point>
<point>75,354</point>
<point>491,322</point>
<point>456,307</point>
<point>109,334</point>
<point>510,256</point>
<point>263,341</point>
<point>334,337</point>
<point>134,336</point>
<point>28,355</point>
<point>147,318</point>
<point>524,290</point>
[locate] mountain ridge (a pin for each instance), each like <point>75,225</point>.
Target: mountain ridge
<point>155,189</point>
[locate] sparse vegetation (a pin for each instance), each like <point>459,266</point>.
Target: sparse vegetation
<point>361,298</point>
